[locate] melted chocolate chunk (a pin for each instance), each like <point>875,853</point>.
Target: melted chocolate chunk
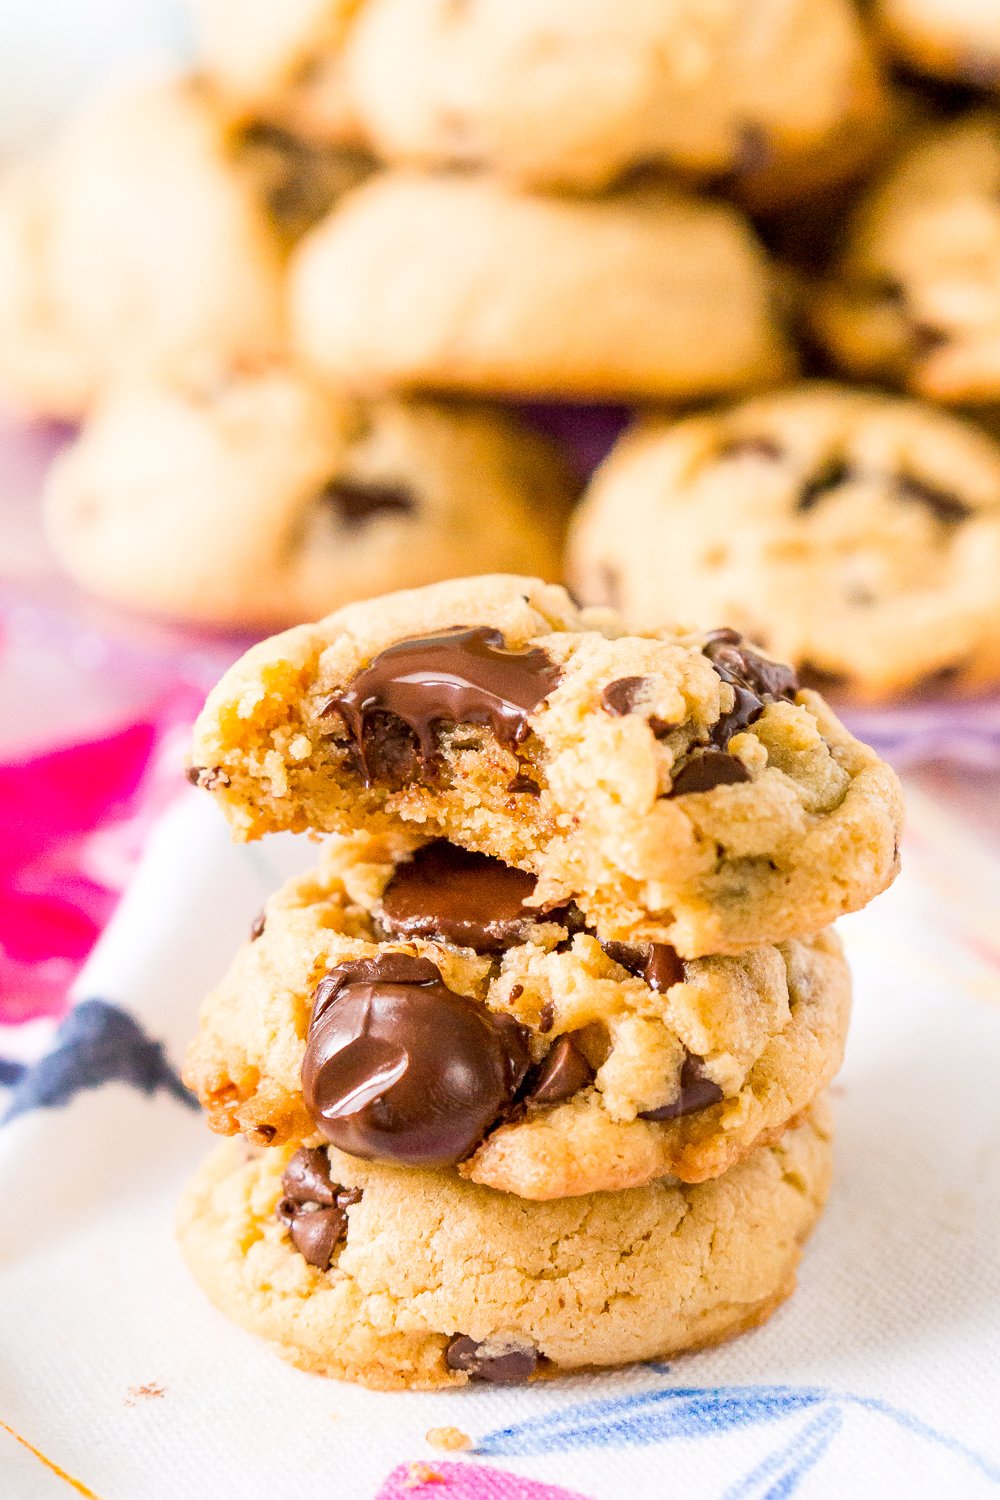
<point>941,503</point>
<point>314,1207</point>
<point>524,783</point>
<point>708,769</point>
<point>754,680</point>
<point>461,676</point>
<point>356,501</point>
<point>767,449</point>
<point>400,1068</point>
<point>457,897</point>
<point>561,1073</point>
<point>656,964</point>
<point>257,926</point>
<point>834,473</point>
<point>510,1367</point>
<point>696,1092</point>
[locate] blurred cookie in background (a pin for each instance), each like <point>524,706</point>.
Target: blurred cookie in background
<point>555,94</point>
<point>153,232</point>
<point>954,40</point>
<point>258,499</point>
<point>280,62</point>
<point>461,283</point>
<point>915,297</point>
<point>854,534</point>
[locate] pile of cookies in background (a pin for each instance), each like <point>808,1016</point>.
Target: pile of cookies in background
<point>527,1075</point>
<point>306,302</point>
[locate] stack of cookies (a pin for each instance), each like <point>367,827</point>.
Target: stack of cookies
<point>527,1074</point>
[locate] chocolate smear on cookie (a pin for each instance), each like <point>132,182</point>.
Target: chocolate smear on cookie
<point>492,1360</point>
<point>400,1068</point>
<point>696,1092</point>
<point>314,1207</point>
<point>465,675</point>
<point>458,897</point>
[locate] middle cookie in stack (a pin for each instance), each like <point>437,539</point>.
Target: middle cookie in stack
<point>566,944</point>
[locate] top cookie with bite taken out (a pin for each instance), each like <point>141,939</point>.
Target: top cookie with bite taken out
<point>677,786</point>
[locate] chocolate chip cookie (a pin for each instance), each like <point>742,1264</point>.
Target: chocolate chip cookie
<point>915,297</point>
<point>678,787</point>
<point>460,283</point>
<point>560,94</point>
<point>406,1002</point>
<point>955,40</point>
<point>254,497</point>
<point>420,1280</point>
<point>853,534</point>
<point>152,235</point>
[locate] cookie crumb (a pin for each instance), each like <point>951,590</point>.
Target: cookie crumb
<point>418,1474</point>
<point>448,1439</point>
<point>149,1392</point>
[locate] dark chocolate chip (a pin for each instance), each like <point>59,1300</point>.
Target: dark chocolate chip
<point>306,1179</point>
<point>524,783</point>
<point>208,777</point>
<point>400,1068</point>
<point>461,676</point>
<point>459,897</point>
<point>316,1233</point>
<point>356,501</point>
<point>547,1014</point>
<point>257,926</point>
<point>696,1092</point>
<point>754,679</point>
<point>314,1207</point>
<point>834,473</point>
<point>622,696</point>
<point>513,1367</point>
<point>656,964</point>
<point>943,504</point>
<point>767,449</point>
<point>708,769</point>
<point>561,1073</point>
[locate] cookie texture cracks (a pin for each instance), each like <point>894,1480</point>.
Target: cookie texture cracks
<point>602,808</point>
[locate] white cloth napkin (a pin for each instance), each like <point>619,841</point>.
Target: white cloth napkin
<point>880,1377</point>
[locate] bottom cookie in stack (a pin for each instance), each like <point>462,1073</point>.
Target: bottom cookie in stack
<point>398,1277</point>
